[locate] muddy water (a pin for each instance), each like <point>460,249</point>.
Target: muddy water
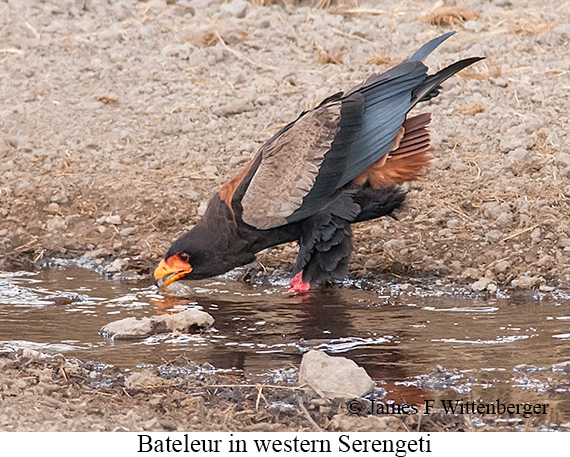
<point>416,345</point>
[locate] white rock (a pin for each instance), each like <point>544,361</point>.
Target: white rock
<point>527,282</point>
<point>334,376</point>
<point>117,265</point>
<point>480,285</point>
<point>202,208</point>
<point>236,8</point>
<point>184,321</point>
<point>130,327</point>
<point>127,231</point>
<point>114,220</point>
<point>56,224</point>
<point>146,379</point>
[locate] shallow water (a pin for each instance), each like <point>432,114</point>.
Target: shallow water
<point>486,348</point>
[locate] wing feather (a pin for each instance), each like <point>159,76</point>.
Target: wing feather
<point>350,137</point>
<point>289,167</point>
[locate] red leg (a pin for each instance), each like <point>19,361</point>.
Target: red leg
<point>297,286</point>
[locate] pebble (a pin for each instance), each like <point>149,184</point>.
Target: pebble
<point>562,160</point>
<point>117,266</point>
<point>527,282</point>
<point>202,208</point>
<point>127,231</point>
<point>480,285</point>
<point>56,224</point>
<point>146,379</point>
<point>502,267</point>
<point>395,245</point>
<point>236,8</point>
<point>113,220</point>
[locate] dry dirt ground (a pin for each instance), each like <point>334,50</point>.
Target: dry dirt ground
<point>70,395</point>
<point>119,118</point>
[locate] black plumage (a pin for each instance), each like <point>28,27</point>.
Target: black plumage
<point>335,165</point>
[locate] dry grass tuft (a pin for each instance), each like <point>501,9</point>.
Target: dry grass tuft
<point>544,143</point>
<point>471,110</point>
<point>450,16</point>
<point>481,72</point>
<point>323,4</point>
<point>380,60</point>
<point>530,27</point>
<point>107,98</point>
<point>326,57</point>
<point>203,38</point>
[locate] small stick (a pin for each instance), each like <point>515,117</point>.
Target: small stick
<point>258,397</point>
<point>514,235</point>
<point>350,35</point>
<point>240,56</point>
<point>308,416</point>
<point>11,51</point>
<point>364,11</point>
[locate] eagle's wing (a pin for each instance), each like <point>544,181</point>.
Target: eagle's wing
<point>300,169</point>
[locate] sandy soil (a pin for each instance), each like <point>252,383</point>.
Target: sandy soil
<point>118,119</point>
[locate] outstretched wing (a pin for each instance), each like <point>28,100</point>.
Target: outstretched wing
<point>300,169</point>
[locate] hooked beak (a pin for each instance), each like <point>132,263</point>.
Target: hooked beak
<point>169,271</point>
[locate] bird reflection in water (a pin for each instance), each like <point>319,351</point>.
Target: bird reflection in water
<point>256,329</point>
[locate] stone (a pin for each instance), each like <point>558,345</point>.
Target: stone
<point>53,208</point>
<point>504,220</point>
<point>202,208</point>
<point>117,266</point>
<point>182,322</point>
<point>471,273</point>
<point>235,107</point>
<point>527,282</point>
<point>113,220</point>
<point>127,231</point>
<point>127,328</point>
<point>561,366</point>
<point>146,379</point>
<point>236,8</point>
<point>519,155</point>
<point>395,245</point>
<point>481,285</point>
<point>502,266</point>
<point>56,224</point>
<point>334,376</point>
<point>562,160</point>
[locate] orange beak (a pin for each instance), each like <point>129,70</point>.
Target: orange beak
<point>170,270</point>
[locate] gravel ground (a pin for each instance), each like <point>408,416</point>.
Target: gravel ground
<point>70,395</point>
<point>120,118</point>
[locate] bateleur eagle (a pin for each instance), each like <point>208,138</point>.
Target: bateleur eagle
<point>336,164</point>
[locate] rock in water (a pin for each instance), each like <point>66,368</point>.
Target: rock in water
<point>130,327</point>
<point>184,322</point>
<point>334,376</point>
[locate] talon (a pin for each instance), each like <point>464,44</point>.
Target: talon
<point>297,286</point>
